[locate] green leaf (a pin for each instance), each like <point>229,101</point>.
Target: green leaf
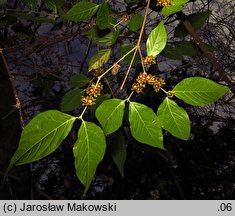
<point>144,125</point>
<point>81,11</point>
<point>71,100</point>
<point>171,9</point>
<point>104,37</point>
<point>172,53</point>
<point>136,22</point>
<point>31,3</point>
<point>186,48</point>
<point>131,1</point>
<point>199,91</point>
<point>104,18</point>
<point>124,49</point>
<point>179,2</point>
<point>110,114</point>
<point>99,100</point>
<point>174,119</point>
<point>41,136</point>
<point>118,151</point>
<point>78,81</point>
<point>3,2</point>
<point>156,40</point>
<point>99,59</point>
<point>197,20</point>
<point>55,5</point>
<point>88,151</point>
<point>27,16</point>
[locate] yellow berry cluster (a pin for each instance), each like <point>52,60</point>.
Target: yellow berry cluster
<point>164,3</point>
<point>125,18</point>
<point>144,79</point>
<point>93,91</point>
<point>148,60</point>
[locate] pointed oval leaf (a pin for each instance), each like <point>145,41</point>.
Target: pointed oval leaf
<point>88,151</point>
<point>104,37</point>
<point>110,114</point>
<point>136,22</point>
<point>144,125</point>
<point>171,9</point>
<point>104,18</point>
<point>174,119</point>
<point>199,91</point>
<point>118,151</point>
<point>71,100</point>
<point>41,136</point>
<point>179,2</point>
<point>156,40</point>
<point>81,11</point>
<point>78,81</point>
<point>99,100</point>
<point>99,59</point>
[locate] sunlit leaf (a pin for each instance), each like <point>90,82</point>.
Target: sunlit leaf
<point>171,9</point>
<point>110,114</point>
<point>88,151</point>
<point>81,11</point>
<point>41,136</point>
<point>199,91</point>
<point>99,59</point>
<point>99,100</point>
<point>156,40</point>
<point>174,119</point>
<point>145,126</point>
<point>179,2</point>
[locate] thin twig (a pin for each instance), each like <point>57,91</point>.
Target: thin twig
<point>17,101</point>
<point>137,46</point>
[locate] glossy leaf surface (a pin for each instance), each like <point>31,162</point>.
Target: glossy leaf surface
<point>88,151</point>
<point>199,91</point>
<point>110,114</point>
<point>174,119</point>
<point>156,40</point>
<point>81,11</point>
<point>99,59</point>
<point>41,136</point>
<point>145,126</point>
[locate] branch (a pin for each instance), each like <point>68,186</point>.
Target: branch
<point>206,52</point>
<point>138,44</point>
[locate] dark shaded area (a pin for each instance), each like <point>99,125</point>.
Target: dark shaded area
<point>17,184</point>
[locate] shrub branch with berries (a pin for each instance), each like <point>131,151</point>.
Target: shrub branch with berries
<point>44,133</point>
